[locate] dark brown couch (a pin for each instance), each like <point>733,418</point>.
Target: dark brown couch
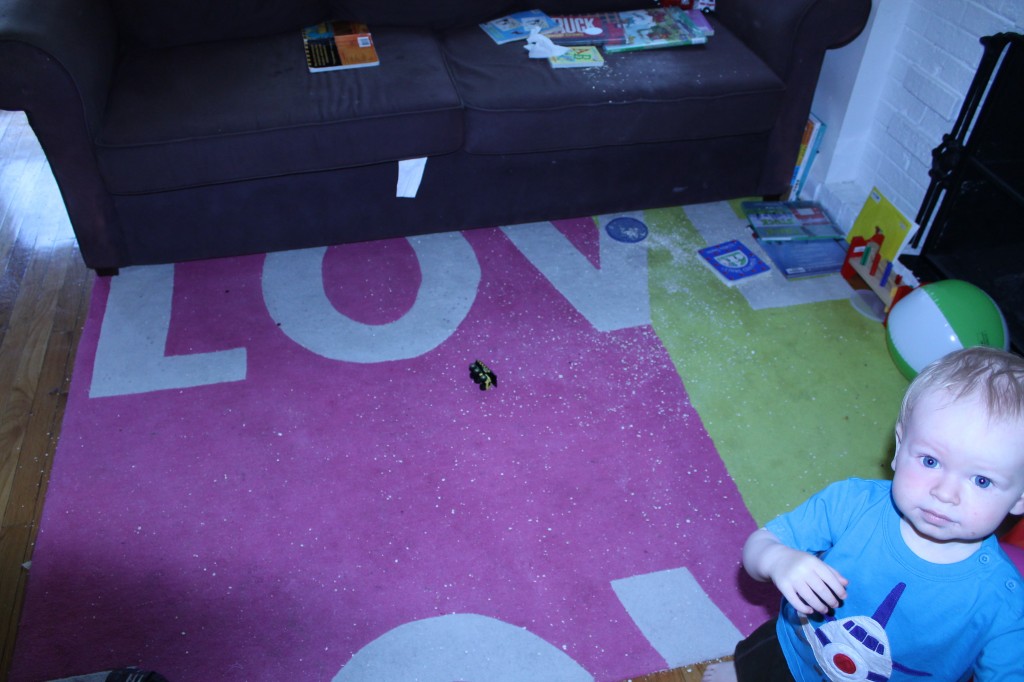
<point>186,129</point>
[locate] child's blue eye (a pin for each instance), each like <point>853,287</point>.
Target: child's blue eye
<point>929,461</point>
<point>982,482</point>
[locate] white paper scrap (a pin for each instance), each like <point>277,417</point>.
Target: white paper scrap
<point>410,173</point>
<point>540,46</point>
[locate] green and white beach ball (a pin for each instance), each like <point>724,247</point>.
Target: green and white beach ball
<point>939,318</point>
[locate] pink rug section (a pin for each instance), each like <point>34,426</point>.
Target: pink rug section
<point>270,528</point>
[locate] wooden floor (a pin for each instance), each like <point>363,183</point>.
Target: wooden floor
<point>44,296</point>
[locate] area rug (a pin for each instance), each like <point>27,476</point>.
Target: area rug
<point>793,396</point>
<point>281,467</point>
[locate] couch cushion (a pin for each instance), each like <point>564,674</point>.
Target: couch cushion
<point>515,104</point>
<point>235,110</point>
<point>162,23</point>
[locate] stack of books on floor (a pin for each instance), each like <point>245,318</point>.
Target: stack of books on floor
<point>799,237</point>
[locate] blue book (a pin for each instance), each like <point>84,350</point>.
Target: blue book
<point>517,26</point>
<point>785,220</point>
<point>732,261</point>
<point>806,258</point>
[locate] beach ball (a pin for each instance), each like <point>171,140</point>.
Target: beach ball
<point>939,318</point>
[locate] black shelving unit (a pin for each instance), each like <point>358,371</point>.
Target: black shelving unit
<point>972,217</point>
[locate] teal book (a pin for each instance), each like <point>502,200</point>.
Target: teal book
<point>517,26</point>
<point>806,258</point>
<point>656,27</point>
<point>789,220</point>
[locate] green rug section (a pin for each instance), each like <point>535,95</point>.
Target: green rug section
<point>794,398</point>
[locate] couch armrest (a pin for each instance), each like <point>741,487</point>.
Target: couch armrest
<point>791,36</point>
<point>783,33</point>
<point>56,64</point>
<point>63,44</point>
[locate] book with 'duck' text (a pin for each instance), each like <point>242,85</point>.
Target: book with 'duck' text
<point>598,28</point>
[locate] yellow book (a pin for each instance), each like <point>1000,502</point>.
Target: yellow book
<point>879,216</point>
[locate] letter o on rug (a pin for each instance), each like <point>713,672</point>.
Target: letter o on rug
<point>461,646</point>
<point>293,290</point>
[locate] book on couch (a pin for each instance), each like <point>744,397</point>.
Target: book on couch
<point>648,29</point>
<point>333,45</point>
<point>578,56</point>
<point>517,26</point>
<point>597,28</point>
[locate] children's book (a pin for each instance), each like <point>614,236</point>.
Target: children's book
<point>878,237</point>
<point>797,259</point>
<point>814,132</point>
<point>334,45</point>
<point>578,56</point>
<point>787,220</point>
<point>879,216</point>
<point>701,21</point>
<point>732,261</point>
<point>517,26</point>
<point>708,5</point>
<point>657,27</point>
<point>599,28</point>
<point>801,154</point>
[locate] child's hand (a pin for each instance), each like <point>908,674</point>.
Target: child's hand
<point>807,582</point>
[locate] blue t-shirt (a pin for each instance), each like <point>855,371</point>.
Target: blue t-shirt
<point>904,618</point>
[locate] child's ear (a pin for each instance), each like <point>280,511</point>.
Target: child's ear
<point>899,439</point>
<point>1018,508</point>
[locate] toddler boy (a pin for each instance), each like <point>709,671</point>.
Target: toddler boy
<point>905,580</point>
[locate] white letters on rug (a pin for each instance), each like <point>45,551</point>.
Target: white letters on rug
<point>611,297</point>
<point>663,603</point>
<point>130,352</point>
<point>461,646</point>
<point>474,647</point>
<point>130,356</point>
<point>294,293</point>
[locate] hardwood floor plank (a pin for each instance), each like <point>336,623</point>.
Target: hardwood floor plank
<point>35,456</point>
<point>25,343</point>
<point>44,294</point>
<point>689,673</point>
<point>49,393</point>
<point>13,541</point>
<point>21,164</point>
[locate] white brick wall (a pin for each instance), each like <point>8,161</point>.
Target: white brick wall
<point>927,73</point>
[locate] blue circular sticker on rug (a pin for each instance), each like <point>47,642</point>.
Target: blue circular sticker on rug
<point>624,229</point>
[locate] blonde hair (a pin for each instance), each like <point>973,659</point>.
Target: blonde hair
<point>995,376</point>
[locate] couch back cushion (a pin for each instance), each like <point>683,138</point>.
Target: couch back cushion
<point>436,14</point>
<point>585,6</point>
<point>447,14</point>
<point>164,23</point>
